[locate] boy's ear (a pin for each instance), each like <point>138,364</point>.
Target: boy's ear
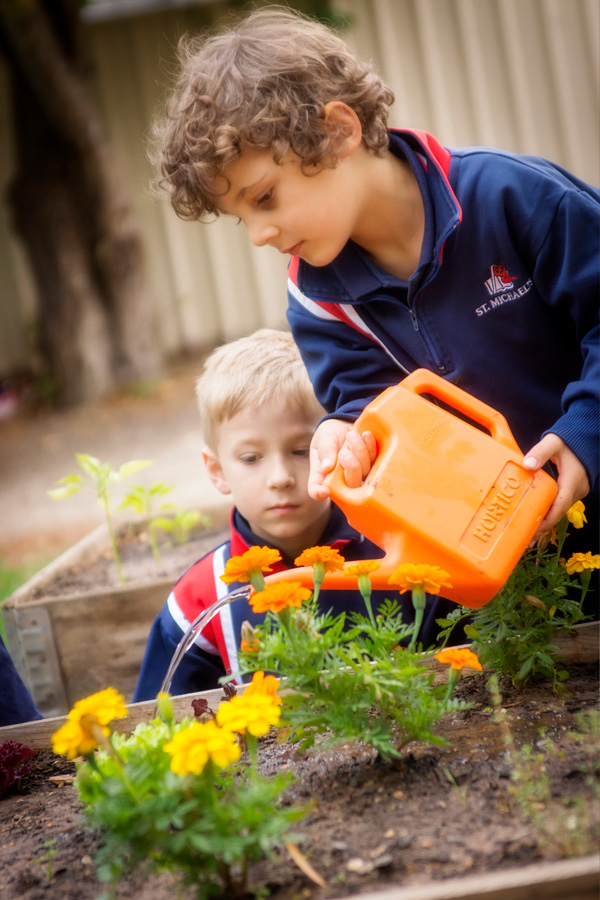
<point>215,471</point>
<point>343,123</point>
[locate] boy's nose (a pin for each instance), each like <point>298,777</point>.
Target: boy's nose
<point>262,234</point>
<point>280,475</point>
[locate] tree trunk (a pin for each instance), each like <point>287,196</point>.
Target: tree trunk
<point>77,226</point>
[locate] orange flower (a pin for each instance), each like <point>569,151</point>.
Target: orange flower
<point>365,567</point>
<point>327,556</point>
<point>579,562</point>
<point>279,596</point>
<point>254,560</point>
<point>409,576</point>
<point>457,658</point>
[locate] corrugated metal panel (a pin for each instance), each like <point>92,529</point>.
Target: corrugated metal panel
<point>517,74</point>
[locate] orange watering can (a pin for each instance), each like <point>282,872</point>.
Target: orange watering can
<point>441,491</point>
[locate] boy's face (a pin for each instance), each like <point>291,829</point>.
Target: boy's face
<point>311,216</point>
<point>262,460</point>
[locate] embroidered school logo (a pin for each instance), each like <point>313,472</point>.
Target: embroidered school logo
<point>501,288</point>
<point>499,280</point>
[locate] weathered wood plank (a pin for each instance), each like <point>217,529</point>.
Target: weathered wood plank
<point>564,879</point>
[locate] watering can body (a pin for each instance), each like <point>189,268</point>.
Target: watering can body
<point>441,491</point>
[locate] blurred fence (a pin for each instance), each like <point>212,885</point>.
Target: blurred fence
<point>517,74</point>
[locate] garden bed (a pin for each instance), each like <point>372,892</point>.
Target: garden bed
<point>74,627</point>
<point>376,829</point>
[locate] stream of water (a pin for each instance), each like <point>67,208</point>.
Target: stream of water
<point>200,622</point>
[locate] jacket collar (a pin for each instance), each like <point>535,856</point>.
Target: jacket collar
<point>352,276</point>
<point>337,534</point>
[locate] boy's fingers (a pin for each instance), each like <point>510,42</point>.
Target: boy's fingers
<point>353,475</point>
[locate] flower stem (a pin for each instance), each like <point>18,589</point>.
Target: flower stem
<point>419,600</point>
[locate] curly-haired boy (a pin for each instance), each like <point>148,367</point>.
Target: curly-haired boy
<point>476,263</point>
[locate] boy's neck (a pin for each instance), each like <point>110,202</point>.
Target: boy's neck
<point>394,221</point>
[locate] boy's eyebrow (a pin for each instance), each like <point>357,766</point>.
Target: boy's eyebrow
<point>250,187</point>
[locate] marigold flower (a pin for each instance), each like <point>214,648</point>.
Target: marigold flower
<point>249,642</point>
<point>256,559</point>
<point>192,748</point>
<point>75,738</point>
<point>104,706</point>
<point>327,556</point>
<point>249,646</point>
<point>576,515</point>
<point>410,575</point>
<point>458,658</point>
<point>279,596</point>
<point>579,562</point>
<point>262,684</point>
<point>364,567</point>
<point>255,711</point>
<point>87,722</point>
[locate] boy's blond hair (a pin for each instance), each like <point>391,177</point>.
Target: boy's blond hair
<point>263,83</point>
<point>265,366</point>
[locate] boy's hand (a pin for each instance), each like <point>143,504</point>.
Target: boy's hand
<point>335,439</point>
<point>573,483</point>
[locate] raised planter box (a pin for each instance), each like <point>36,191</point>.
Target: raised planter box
<point>559,879</point>
<point>69,646</point>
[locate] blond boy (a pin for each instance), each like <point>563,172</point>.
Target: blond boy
<point>258,413</point>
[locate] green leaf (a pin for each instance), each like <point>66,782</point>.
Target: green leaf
<point>133,466</point>
<point>134,502</point>
<point>525,668</point>
<point>60,493</point>
<point>90,464</point>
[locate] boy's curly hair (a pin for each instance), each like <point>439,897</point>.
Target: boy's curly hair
<point>263,83</point>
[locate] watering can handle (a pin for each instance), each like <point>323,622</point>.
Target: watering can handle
<point>422,381</point>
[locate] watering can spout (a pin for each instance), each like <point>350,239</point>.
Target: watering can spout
<point>448,488</point>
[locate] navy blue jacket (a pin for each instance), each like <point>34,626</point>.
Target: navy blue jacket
<point>16,703</point>
<point>214,652</point>
<point>503,303</point>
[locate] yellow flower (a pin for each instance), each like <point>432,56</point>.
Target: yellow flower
<point>576,515</point>
<point>579,562</point>
<point>104,706</point>
<point>327,556</point>
<point>279,596</point>
<point>256,559</point>
<point>192,748</point>
<point>256,710</point>
<point>262,684</point>
<point>409,575</point>
<point>87,723</point>
<point>457,658</point>
<point>75,738</point>
<point>365,567</point>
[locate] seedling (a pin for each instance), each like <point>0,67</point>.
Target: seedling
<point>102,476</point>
<point>181,522</point>
<point>142,501</point>
<point>51,851</point>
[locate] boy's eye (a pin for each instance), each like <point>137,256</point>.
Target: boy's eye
<point>302,451</point>
<point>249,458</point>
<point>265,198</point>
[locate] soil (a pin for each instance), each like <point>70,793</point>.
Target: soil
<point>137,562</point>
<point>443,812</point>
